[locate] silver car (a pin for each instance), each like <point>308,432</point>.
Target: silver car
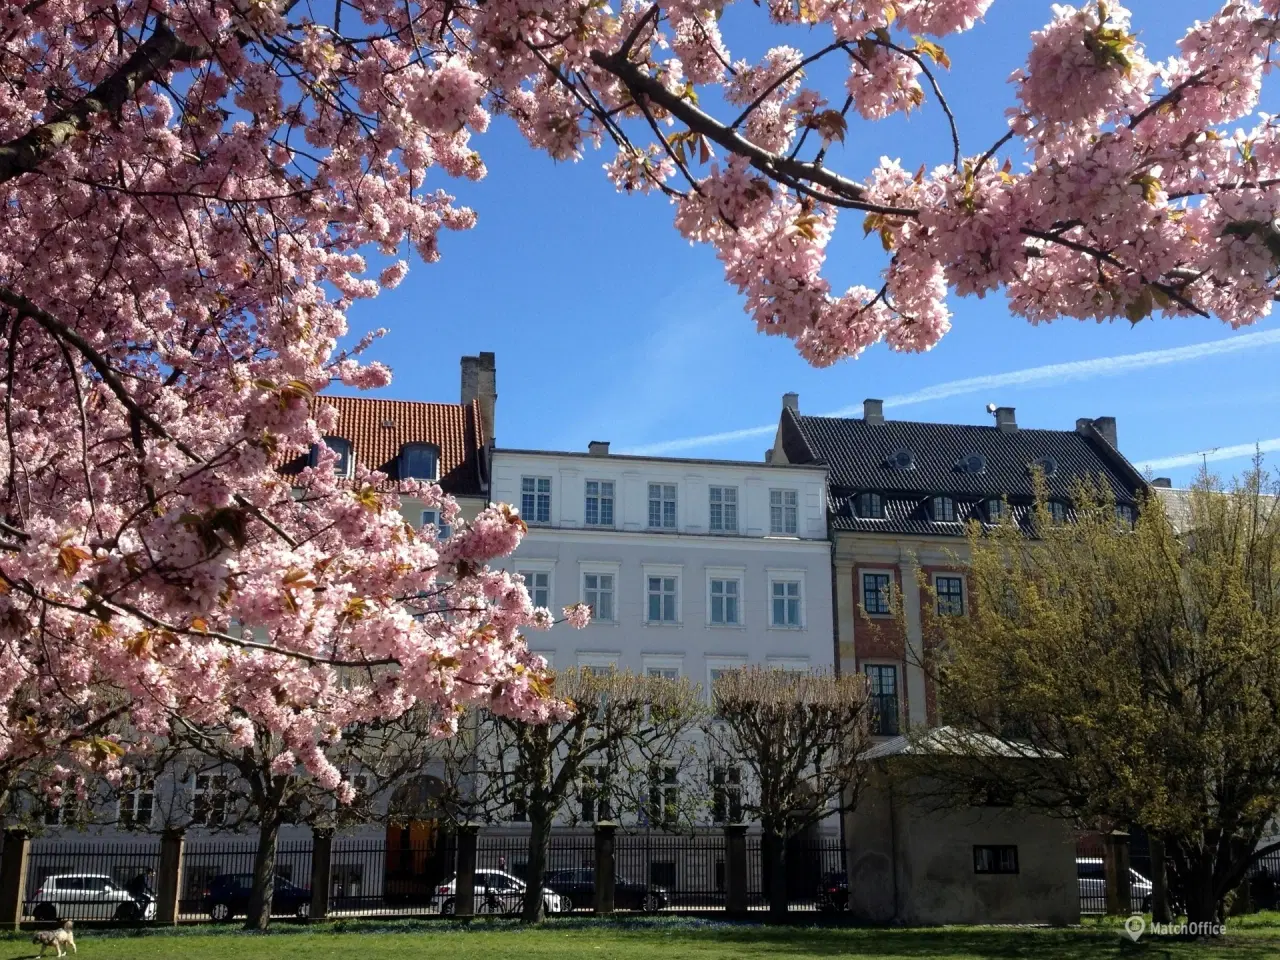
<point>496,892</point>
<point>1093,887</point>
<point>87,896</point>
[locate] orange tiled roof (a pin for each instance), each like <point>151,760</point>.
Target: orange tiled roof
<point>378,429</point>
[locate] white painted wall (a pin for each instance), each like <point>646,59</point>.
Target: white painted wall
<point>566,548</point>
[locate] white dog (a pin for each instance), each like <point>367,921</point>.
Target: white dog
<point>57,939</point>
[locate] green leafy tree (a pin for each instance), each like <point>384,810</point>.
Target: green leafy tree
<point>1140,660</point>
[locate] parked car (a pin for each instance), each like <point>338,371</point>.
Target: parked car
<point>577,889</point>
<point>1093,884</point>
<point>833,892</point>
<point>88,896</point>
<point>495,891</point>
<point>228,895</point>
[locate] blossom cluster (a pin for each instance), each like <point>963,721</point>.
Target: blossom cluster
<point>190,189</point>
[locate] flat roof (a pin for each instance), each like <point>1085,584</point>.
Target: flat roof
<point>644,459</point>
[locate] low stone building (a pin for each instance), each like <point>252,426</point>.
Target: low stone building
<point>916,861</point>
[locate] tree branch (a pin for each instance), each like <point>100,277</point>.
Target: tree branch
<point>27,152</point>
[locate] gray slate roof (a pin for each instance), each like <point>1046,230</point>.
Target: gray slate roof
<point>859,454</point>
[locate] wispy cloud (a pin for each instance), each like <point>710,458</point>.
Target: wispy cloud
<point>1053,373</point>
<point>1236,452</point>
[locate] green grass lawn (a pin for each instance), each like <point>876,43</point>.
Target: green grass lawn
<point>656,940</point>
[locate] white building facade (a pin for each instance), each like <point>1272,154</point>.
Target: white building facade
<point>690,566</point>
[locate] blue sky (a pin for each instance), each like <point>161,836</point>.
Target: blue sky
<point>607,325</point>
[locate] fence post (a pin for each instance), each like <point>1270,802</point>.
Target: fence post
<point>321,871</point>
<point>606,869</point>
<point>13,877</point>
<point>464,888</point>
<point>1115,857</point>
<point>169,876</point>
<point>735,869</point>
<point>1160,911</point>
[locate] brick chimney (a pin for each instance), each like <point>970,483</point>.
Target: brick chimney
<point>598,448</point>
<point>1163,482</point>
<point>480,382</point>
<point>1005,420</point>
<point>873,411</point>
<point>791,401</point>
<point>1105,427</point>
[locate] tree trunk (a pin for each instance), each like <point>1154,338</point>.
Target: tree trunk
<point>264,877</point>
<point>1202,898</point>
<point>539,844</point>
<point>774,848</point>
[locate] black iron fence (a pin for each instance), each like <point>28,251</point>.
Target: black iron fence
<point>85,880</point>
<point>1259,891</point>
<point>411,871</point>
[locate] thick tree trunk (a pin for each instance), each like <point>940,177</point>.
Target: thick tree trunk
<point>774,848</point>
<point>539,844</point>
<point>1203,901</point>
<point>264,877</point>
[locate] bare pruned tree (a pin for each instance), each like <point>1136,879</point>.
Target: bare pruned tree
<point>238,781</point>
<point>616,730</point>
<point>799,738</point>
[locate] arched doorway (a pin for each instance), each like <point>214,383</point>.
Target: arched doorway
<point>420,841</point>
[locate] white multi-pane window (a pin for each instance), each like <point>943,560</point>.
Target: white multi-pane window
<point>664,794</point>
<point>726,794</point>
<point>593,786</point>
<point>662,593</point>
<point>432,516</point>
<point>535,499</point>
<point>726,594</point>
<point>662,506</point>
<point>137,801</point>
<point>209,800</point>
<point>724,510</point>
<point>944,510</point>
<point>597,593</point>
<point>599,505</point>
<point>784,603</point>
<point>784,512</point>
<point>538,583</point>
<point>718,667</point>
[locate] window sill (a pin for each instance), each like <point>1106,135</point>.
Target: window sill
<point>667,624</point>
<point>727,626</point>
<point>787,628</point>
<point>877,616</point>
<point>602,623</point>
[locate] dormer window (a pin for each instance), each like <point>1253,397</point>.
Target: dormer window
<point>1126,514</point>
<point>972,463</point>
<point>342,447</point>
<point>944,510</point>
<point>902,460</point>
<point>1057,511</point>
<point>995,509</point>
<point>1046,465</point>
<point>869,506</point>
<point>419,461</point>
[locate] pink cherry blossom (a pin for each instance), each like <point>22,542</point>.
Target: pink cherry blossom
<point>193,192</point>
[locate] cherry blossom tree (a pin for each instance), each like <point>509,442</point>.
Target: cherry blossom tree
<point>190,188</point>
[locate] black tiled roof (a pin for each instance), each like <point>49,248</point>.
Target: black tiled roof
<point>858,456</point>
